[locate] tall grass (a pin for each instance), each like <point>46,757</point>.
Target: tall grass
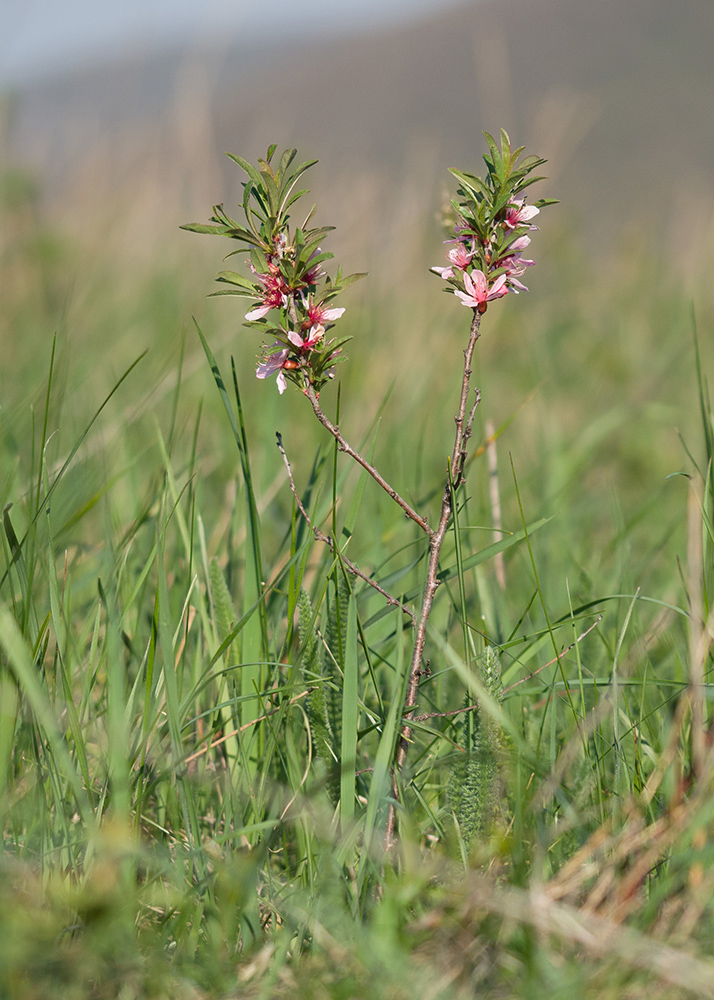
<point>198,708</point>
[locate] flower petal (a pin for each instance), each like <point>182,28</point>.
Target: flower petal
<point>466,299</point>
<point>478,283</point>
<point>257,313</point>
<point>271,364</point>
<point>498,288</point>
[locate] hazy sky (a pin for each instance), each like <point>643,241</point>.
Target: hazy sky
<point>42,37</point>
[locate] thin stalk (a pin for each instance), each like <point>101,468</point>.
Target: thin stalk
<point>464,426</point>
<point>349,450</point>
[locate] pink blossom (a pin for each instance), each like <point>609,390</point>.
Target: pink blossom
<point>460,258</point>
<point>515,267</point>
<point>318,315</point>
<point>311,276</point>
<point>272,364</point>
<point>477,292</point>
<point>311,339</point>
<point>518,245</point>
<point>274,296</point>
<point>518,214</point>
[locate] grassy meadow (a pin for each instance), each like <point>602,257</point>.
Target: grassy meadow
<point>174,641</point>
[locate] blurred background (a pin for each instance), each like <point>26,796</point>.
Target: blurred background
<point>114,120</point>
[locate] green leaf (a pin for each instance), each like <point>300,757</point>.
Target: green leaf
<point>249,169</point>
<point>380,785</point>
<point>292,199</point>
<point>233,278</point>
<point>473,184</point>
<point>285,160</point>
<point>238,233</point>
<point>531,180</point>
<point>200,227</point>
<point>496,158</point>
<point>350,279</point>
<point>505,147</point>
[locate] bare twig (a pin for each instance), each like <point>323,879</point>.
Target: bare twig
<point>557,658</point>
<point>322,537</point>
<point>349,450</point>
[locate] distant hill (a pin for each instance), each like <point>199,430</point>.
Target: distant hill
<point>618,96</point>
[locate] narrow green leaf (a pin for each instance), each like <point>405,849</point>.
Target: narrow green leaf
<point>201,227</point>
<point>252,172</point>
<point>233,278</point>
<point>19,658</point>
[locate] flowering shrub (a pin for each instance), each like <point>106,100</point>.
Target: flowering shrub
<point>287,281</point>
<point>291,295</point>
<point>491,228</point>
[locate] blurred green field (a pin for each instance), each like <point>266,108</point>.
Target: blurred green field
<point>139,863</point>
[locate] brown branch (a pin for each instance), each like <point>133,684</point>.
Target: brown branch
<point>436,540</point>
<point>322,537</point>
<point>377,476</point>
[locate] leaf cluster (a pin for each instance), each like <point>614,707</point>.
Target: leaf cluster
<point>482,205</point>
<point>285,263</point>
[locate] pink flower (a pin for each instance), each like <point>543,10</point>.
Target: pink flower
<point>477,292</point>
<point>311,276</point>
<point>274,297</point>
<point>318,315</point>
<point>272,364</point>
<point>518,245</point>
<point>312,337</point>
<point>518,214</point>
<point>515,267</point>
<point>460,258</point>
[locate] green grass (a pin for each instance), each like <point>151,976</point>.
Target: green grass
<point>194,774</point>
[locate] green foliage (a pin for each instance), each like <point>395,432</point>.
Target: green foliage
<point>481,213</point>
<point>151,565</point>
<point>286,264</point>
